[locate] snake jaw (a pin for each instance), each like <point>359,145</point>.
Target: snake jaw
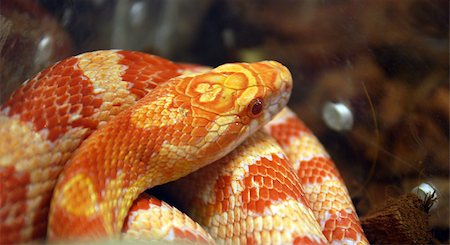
<point>277,90</point>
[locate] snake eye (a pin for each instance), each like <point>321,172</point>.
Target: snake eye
<point>255,107</point>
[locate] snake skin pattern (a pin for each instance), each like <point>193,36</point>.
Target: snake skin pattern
<point>251,196</point>
<point>46,119</point>
<point>64,104</point>
<point>321,181</point>
<point>219,195</point>
<point>185,123</point>
<point>150,219</point>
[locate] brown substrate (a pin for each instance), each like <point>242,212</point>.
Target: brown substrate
<point>400,221</point>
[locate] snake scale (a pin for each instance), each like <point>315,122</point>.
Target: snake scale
<point>85,137</point>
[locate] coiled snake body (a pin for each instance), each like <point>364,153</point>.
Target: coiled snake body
<point>80,117</point>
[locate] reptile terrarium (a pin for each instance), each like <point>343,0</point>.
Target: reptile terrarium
<point>368,79</point>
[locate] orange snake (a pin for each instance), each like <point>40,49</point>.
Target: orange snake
<point>185,118</point>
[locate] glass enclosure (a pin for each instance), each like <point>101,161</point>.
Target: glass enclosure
<point>371,78</point>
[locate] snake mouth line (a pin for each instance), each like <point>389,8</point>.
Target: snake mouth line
<point>281,101</point>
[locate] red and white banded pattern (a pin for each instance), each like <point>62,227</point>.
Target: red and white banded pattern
<point>183,123</point>
<point>251,196</point>
<point>321,181</point>
<point>179,126</point>
<point>150,219</point>
<point>47,118</point>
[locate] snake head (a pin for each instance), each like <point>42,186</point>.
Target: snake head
<point>273,82</point>
<point>238,99</point>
